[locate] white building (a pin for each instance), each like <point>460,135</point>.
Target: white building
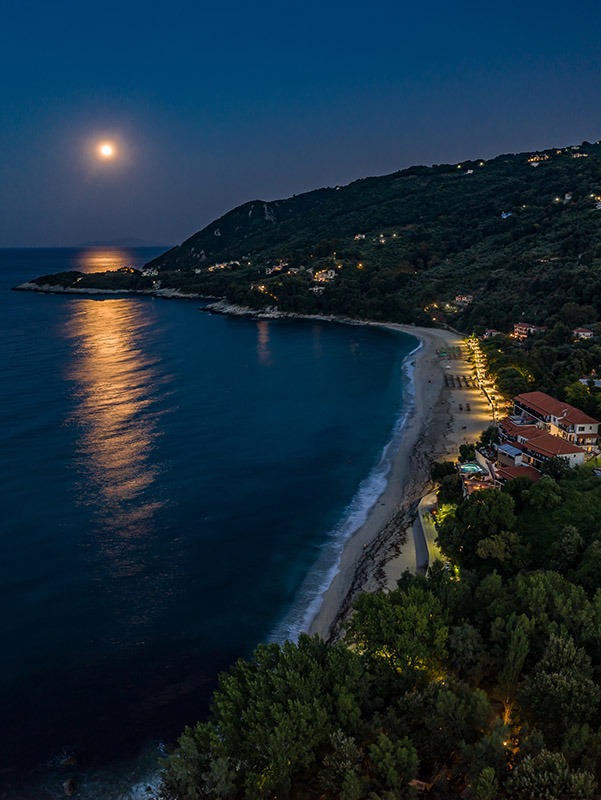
<point>558,418</point>
<point>582,333</point>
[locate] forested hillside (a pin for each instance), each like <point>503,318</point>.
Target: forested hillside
<point>482,681</point>
<point>521,233</point>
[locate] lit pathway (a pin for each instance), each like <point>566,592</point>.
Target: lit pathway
<point>424,533</point>
<point>481,377</point>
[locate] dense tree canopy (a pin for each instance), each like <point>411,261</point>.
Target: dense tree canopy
<point>484,680</point>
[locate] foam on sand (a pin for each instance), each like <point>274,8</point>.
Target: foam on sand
<point>310,596</point>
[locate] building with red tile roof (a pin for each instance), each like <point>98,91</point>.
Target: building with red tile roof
<point>558,418</point>
<point>505,474</point>
<point>521,330</point>
<point>532,446</point>
<point>540,448</point>
<point>582,333</point>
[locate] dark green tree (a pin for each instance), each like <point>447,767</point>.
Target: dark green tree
<point>393,765</point>
<point>405,630</point>
<point>560,688</point>
<point>484,514</point>
<point>440,470</point>
<point>557,467</point>
<point>450,491</point>
<point>548,775</point>
<point>565,551</point>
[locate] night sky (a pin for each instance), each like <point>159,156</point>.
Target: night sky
<point>211,105</point>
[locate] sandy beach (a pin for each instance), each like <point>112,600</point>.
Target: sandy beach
<point>385,546</point>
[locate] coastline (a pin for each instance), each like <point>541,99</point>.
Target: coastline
<point>376,554</point>
<point>390,540</point>
<point>48,288</point>
<point>387,544</point>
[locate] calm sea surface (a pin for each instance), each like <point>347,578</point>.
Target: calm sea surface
<point>175,487</point>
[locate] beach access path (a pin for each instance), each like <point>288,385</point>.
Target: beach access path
<point>424,531</point>
<point>378,553</point>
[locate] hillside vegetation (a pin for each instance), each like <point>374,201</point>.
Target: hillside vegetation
<point>523,237</point>
<point>482,681</point>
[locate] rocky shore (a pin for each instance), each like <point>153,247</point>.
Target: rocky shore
<point>48,288</point>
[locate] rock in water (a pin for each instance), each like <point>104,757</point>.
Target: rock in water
<point>70,786</point>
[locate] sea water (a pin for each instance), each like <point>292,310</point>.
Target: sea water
<point>175,487</point>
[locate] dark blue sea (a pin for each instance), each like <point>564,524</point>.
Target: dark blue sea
<point>175,488</point>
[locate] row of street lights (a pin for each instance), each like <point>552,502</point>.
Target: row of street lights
<point>481,375</point>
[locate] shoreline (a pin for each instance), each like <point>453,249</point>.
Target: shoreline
<point>298,618</point>
<point>375,556</point>
<point>167,293</point>
<point>390,540</point>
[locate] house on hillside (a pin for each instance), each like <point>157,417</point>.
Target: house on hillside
<point>558,418</point>
<point>504,475</point>
<point>582,333</point>
<point>508,455</point>
<point>544,446</point>
<point>529,445</point>
<point>490,332</point>
<point>513,426</point>
<point>521,330</point>
<point>463,299</point>
<point>324,275</point>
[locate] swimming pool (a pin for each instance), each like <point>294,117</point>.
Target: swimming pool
<point>471,468</point>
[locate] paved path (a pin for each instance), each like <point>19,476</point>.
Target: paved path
<point>424,534</point>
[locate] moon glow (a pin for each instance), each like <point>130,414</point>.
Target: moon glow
<point>106,150</point>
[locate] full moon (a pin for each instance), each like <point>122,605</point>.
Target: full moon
<point>106,150</point>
